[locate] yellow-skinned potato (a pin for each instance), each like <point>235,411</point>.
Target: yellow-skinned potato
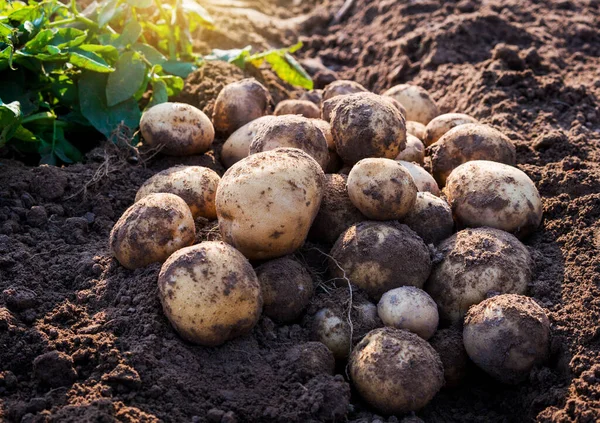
<point>197,186</point>
<point>415,128</point>
<point>419,105</point>
<point>483,193</point>
<point>471,141</point>
<point>442,124</point>
<point>342,87</point>
<point>267,202</point>
<point>431,218</point>
<point>506,336</point>
<point>210,293</point>
<point>474,264</point>
<point>397,105</point>
<point>151,230</point>
<point>424,181</point>
<point>382,189</point>
<point>179,129</point>
<point>237,145</point>
<point>306,108</point>
<point>414,150</point>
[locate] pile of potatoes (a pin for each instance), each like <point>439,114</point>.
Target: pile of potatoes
<point>422,213</point>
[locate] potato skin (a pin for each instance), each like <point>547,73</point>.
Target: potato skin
<point>333,331</point>
<point>414,150</point>
<point>449,345</point>
<point>151,230</point>
<point>267,202</point>
<point>471,141</point>
<point>306,108</point>
<point>342,87</point>
<point>325,128</point>
<point>396,371</point>
<point>422,178</point>
<point>430,218</point>
<point>327,107</point>
<point>415,128</point>
<point>442,124</point>
<point>197,186</point>
<point>419,105</point>
<point>506,336</point>
<point>210,293</point>
<point>237,145</point>
<point>483,193</point>
<point>181,129</point>
<point>474,264</point>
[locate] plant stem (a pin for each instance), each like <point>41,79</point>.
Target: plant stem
<point>172,41</point>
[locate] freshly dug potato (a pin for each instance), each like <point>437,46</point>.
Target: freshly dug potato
<point>430,218</point>
<point>325,128</point>
<point>415,128</point>
<point>397,105</point>
<point>442,124</point>
<point>471,141</point>
<point>419,105</point>
<point>327,107</point>
<point>237,145</point>
<point>378,256</point>
<point>422,178</point>
<point>267,202</point>
<point>396,371</point>
<point>210,293</point>
<point>306,108</point>
<point>342,87</point>
<point>483,193</point>
<point>409,308</point>
<point>292,131</point>
<point>506,336</point>
<point>337,213</point>
<point>197,186</point>
<point>382,189</point>
<point>286,289</point>
<point>151,230</point>
<point>449,345</point>
<point>314,96</point>
<point>476,263</point>
<point>332,330</point>
<point>180,129</point>
<point>363,125</point>
<point>239,103</point>
<point>414,150</point>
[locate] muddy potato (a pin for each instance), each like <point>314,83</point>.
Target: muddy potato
<point>483,193</point>
<point>332,329</point>
<point>210,293</point>
<point>431,218</point>
<point>442,124</point>
<point>471,141</point>
<point>419,105</point>
<point>422,178</point>
<point>178,129</point>
<point>327,107</point>
<point>476,263</point>
<point>382,189</point>
<point>239,103</point>
<point>342,87</point>
<point>237,145</point>
<point>414,150</point>
<point>306,108</point>
<point>396,371</point>
<point>314,96</point>
<point>415,128</point>
<point>151,230</point>
<point>449,345</point>
<point>197,186</point>
<point>397,105</point>
<point>335,162</point>
<point>506,336</point>
<point>267,202</point>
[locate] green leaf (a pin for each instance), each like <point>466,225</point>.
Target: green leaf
<point>39,42</point>
<point>107,12</point>
<point>127,78</point>
<point>130,35</point>
<point>24,134</point>
<point>89,60</point>
<point>159,93</point>
<point>284,65</point>
<point>68,37</point>
<point>174,84</point>
<point>181,69</point>
<point>142,4</point>
<point>10,120</point>
<point>109,53</point>
<point>197,13</point>
<point>150,53</point>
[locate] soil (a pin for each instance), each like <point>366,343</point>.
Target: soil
<point>83,339</point>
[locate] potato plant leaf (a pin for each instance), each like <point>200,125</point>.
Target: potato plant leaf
<point>284,65</point>
<point>159,93</point>
<point>10,120</point>
<point>127,78</point>
<point>181,69</point>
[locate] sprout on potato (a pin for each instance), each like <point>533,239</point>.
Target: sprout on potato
<point>342,87</point>
<point>422,178</point>
<point>442,124</point>
<point>237,146</point>
<point>414,150</point>
<point>415,128</point>
<point>430,218</point>
<point>306,108</point>
<point>419,105</point>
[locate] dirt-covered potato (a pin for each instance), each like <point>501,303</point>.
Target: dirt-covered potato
<point>471,141</point>
<point>506,336</point>
<point>382,189</point>
<point>396,371</point>
<point>430,218</point>
<point>415,128</point>
<point>337,213</point>
<point>314,96</point>
<point>178,129</point>
<point>449,345</point>
<point>294,132</point>
<point>483,193</point>
<point>239,103</point>
<point>305,108</point>
<point>286,289</point>
<point>237,145</point>
<point>325,128</point>
<point>422,178</point>
<point>151,230</point>
<point>476,263</point>
<point>333,331</point>
<point>342,87</point>
<point>409,308</point>
<point>267,202</point>
<point>210,293</point>
<point>379,256</point>
<point>397,105</point>
<point>414,150</point>
<point>363,125</point>
<point>442,124</point>
<point>327,107</point>
<point>197,186</point>
<point>419,105</point>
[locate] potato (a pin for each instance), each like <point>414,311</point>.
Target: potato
<point>430,218</point>
<point>382,189</point>
<point>151,230</point>
<point>442,124</point>
<point>397,105</point>
<point>305,108</point>
<point>239,103</point>
<point>483,193</point>
<point>474,264</point>
<point>413,152</point>
<point>419,105</point>
<point>409,308</point>
<point>267,202</point>
<point>327,107</point>
<point>286,289</point>
<point>342,87</point>
<point>449,345</point>
<point>506,336</point>
<point>337,213</point>
<point>179,129</point>
<point>325,128</point>
<point>422,178</point>
<point>378,256</point>
<point>396,371</point>
<point>467,142</point>
<point>415,128</point>
<point>210,293</point>
<point>292,131</point>
<point>197,186</point>
<point>333,331</point>
<point>363,125</point>
<point>237,145</point>
<point>314,96</point>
